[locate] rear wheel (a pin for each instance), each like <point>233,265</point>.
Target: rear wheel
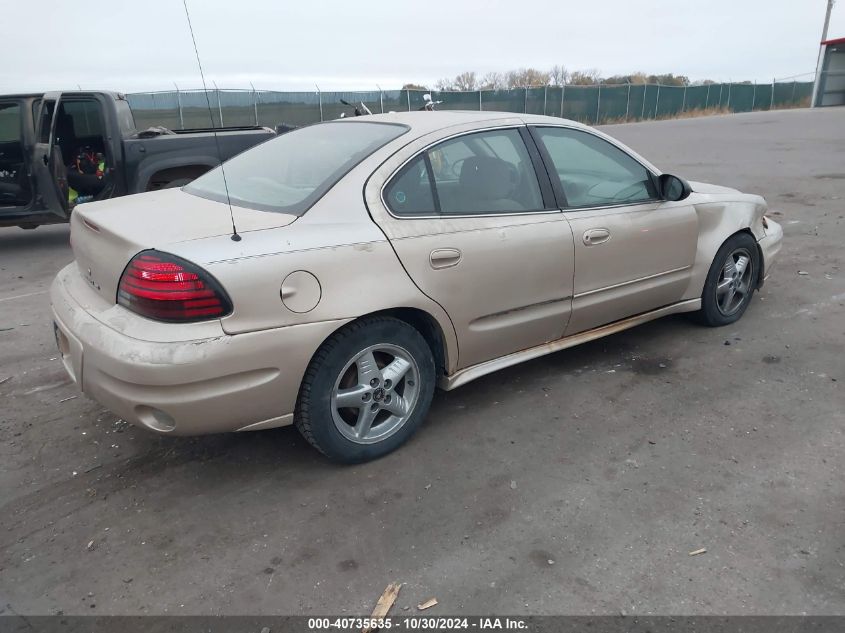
<point>366,391</point>
<point>730,282</point>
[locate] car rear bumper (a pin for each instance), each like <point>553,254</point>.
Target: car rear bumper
<point>207,385</point>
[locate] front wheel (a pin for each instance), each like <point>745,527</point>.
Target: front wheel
<point>366,391</point>
<point>730,282</point>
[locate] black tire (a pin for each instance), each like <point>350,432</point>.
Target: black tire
<point>315,416</point>
<point>712,313</point>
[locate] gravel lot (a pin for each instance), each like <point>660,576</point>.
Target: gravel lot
<point>576,483</point>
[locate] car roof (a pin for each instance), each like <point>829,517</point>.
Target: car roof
<point>21,95</point>
<point>422,122</point>
<point>69,93</point>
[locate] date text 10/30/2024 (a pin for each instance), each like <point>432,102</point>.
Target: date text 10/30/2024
<point>417,623</point>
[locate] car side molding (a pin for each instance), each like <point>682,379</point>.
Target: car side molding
<point>468,374</point>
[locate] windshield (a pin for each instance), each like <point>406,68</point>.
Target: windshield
<point>290,173</point>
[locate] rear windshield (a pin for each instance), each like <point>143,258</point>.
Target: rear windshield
<point>290,173</point>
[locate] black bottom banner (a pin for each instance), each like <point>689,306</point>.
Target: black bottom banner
<point>532,624</point>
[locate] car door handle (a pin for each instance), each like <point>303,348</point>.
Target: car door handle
<point>444,257</point>
<point>596,236</point>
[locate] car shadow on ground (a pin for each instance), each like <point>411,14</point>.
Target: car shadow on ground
<point>14,239</point>
<point>630,350</point>
<point>208,466</point>
<point>283,452</point>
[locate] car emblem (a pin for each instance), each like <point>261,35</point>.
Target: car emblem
<point>91,279</point>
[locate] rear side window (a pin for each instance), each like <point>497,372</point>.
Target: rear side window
<point>593,172</point>
<point>81,117</point>
<point>291,172</point>
<point>482,173</point>
<point>125,118</point>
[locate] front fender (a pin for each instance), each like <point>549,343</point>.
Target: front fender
<point>720,217</point>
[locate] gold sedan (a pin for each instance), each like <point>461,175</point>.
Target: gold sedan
<point>333,276</point>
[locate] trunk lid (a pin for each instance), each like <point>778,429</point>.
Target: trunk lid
<point>106,235</point>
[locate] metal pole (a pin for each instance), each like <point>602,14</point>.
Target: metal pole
<point>598,104</point>
<point>793,92</point>
<point>707,98</point>
<point>645,88</point>
<point>820,60</point>
<point>753,95</point>
<point>479,100</point>
<point>219,104</point>
<point>525,105</point>
<point>408,93</point>
<point>628,101</point>
<point>657,101</point>
<point>730,83</point>
<point>179,106</point>
<point>720,96</point>
<point>830,4</point>
<point>545,98</point>
<point>319,100</point>
<point>254,102</point>
<point>684,102</point>
<point>380,98</point>
<point>772,102</point>
<point>562,93</point>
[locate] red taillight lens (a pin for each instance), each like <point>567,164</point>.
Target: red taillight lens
<point>164,287</point>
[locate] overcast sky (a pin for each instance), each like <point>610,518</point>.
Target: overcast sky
<point>356,44</point>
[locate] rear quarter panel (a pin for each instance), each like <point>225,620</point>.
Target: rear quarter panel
<point>337,242</point>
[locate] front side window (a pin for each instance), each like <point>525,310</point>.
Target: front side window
<point>10,123</point>
<point>291,172</point>
<point>14,183</point>
<point>480,173</point>
<point>593,172</point>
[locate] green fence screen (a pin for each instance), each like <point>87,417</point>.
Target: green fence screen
<point>595,104</point>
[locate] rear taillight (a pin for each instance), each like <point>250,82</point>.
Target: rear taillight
<point>164,287</point>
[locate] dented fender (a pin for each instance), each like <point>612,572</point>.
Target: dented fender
<point>721,215</point>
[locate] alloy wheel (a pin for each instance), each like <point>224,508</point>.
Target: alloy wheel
<point>734,284</point>
<point>375,393</point>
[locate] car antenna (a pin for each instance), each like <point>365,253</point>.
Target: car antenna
<point>235,236</point>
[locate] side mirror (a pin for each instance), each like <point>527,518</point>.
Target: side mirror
<point>673,188</point>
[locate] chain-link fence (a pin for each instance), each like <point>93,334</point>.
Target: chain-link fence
<point>595,104</point>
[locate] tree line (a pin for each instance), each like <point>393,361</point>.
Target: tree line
<point>556,76</point>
